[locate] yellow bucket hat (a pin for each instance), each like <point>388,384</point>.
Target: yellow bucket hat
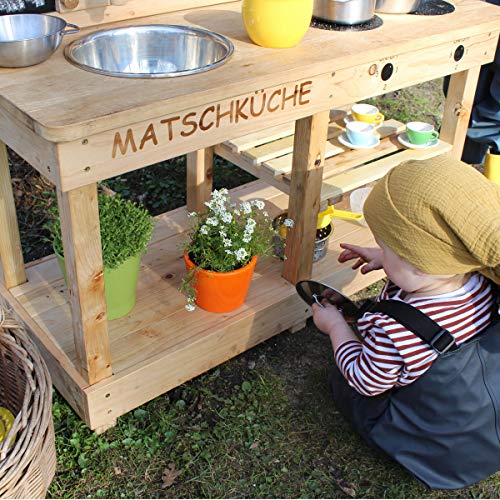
<point>440,215</point>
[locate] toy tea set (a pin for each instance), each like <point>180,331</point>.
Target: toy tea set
<point>364,120</point>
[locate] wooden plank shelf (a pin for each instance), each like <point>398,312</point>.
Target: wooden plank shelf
<point>159,345</point>
<point>268,155</point>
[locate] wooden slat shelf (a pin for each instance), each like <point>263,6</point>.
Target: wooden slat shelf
<point>160,330</point>
<point>268,155</point>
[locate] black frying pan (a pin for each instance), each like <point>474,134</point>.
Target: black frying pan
<point>315,292</point>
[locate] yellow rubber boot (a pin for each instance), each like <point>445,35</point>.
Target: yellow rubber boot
<point>492,167</point>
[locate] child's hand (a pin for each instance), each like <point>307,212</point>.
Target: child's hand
<point>370,257</point>
<point>330,321</point>
<point>327,318</point>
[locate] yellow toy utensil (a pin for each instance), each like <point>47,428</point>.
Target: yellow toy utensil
<point>326,216</point>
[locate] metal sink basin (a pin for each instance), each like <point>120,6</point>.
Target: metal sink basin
<point>150,51</point>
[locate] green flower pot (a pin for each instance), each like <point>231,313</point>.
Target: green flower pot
<point>120,285</point>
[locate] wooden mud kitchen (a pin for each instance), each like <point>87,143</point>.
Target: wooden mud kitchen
<point>272,112</point>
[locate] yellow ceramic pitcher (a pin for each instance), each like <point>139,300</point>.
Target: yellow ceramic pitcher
<point>277,24</point>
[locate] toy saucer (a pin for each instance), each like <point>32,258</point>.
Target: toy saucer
<point>403,139</point>
<point>345,141</point>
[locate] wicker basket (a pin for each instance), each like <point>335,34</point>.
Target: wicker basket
<point>28,466</point>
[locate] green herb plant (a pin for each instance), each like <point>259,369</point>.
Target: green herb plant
<point>126,229</point>
<point>226,236</point>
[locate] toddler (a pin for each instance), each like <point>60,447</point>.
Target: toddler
<point>437,226</point>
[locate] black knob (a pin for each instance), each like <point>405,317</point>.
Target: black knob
<point>459,53</point>
<point>387,71</point>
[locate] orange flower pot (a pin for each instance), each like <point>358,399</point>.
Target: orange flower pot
<point>221,292</point>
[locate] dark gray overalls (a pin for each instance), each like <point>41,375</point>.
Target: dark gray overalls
<point>444,427</point>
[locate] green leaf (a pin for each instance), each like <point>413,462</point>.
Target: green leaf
<point>181,404</point>
<point>169,436</point>
<point>83,461</point>
<point>141,415</point>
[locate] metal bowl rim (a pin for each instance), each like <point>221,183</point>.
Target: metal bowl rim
<point>35,37</point>
<point>68,51</point>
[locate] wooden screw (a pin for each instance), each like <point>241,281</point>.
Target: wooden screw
<point>70,4</point>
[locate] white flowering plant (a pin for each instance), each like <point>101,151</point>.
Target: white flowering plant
<point>226,237</point>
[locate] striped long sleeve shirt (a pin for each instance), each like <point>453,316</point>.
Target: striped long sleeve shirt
<point>392,356</point>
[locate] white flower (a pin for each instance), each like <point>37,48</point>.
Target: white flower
<point>192,214</point>
<point>227,243</point>
<point>226,217</point>
<point>259,204</point>
<point>204,229</point>
<point>240,254</point>
<point>246,207</point>
<point>247,238</point>
<point>250,227</point>
<point>237,212</point>
<point>212,221</point>
<point>288,222</point>
<point>265,214</point>
<point>222,233</point>
<point>229,252</point>
<point>189,307</point>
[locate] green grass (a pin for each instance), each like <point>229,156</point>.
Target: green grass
<point>262,425</point>
<point>423,102</point>
<point>161,187</point>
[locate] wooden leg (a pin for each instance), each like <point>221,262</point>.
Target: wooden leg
<point>79,215</point>
<point>199,178</point>
<point>297,327</point>
<point>305,193</point>
<point>104,428</point>
<point>10,241</point>
<point>457,109</point>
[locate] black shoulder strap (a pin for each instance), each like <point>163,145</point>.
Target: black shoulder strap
<point>416,321</point>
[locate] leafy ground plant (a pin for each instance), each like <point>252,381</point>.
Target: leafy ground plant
<point>126,229</point>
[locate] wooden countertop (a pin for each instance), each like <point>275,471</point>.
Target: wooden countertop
<point>63,103</point>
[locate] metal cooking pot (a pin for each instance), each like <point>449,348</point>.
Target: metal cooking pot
<point>344,11</point>
<point>28,39</point>
<point>397,6</point>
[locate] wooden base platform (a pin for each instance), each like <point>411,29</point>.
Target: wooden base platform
<point>160,345</point>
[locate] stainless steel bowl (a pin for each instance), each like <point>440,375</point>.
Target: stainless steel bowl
<point>150,51</point>
<point>397,6</point>
<point>344,11</point>
<point>28,39</point>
